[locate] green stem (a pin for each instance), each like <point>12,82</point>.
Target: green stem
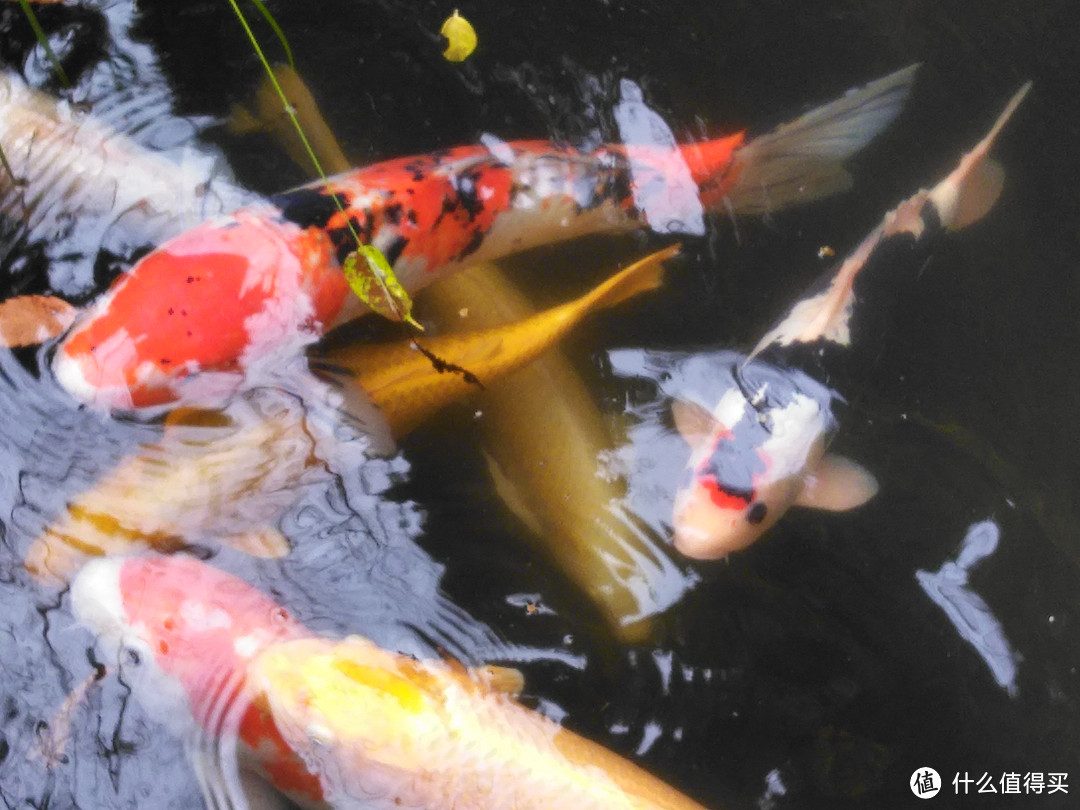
<point>44,42</point>
<point>277,30</point>
<point>7,167</point>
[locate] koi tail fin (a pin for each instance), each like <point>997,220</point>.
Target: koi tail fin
<point>802,160</point>
<point>966,195</point>
<point>640,277</point>
<point>963,197</point>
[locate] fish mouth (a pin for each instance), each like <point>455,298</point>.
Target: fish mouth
<point>84,378</point>
<point>702,531</point>
<point>693,542</point>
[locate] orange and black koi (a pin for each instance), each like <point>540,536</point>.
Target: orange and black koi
<point>220,301</point>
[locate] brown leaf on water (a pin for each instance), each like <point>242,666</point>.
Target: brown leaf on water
<point>32,319</point>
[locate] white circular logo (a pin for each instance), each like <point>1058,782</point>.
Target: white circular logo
<point>925,783</point>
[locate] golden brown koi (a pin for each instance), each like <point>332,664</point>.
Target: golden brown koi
<point>401,381</point>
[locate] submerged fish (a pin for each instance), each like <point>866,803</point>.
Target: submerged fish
<point>163,333</point>
<point>341,723</point>
<point>227,476</point>
<point>762,447</point>
<point>402,383</point>
<point>214,477</point>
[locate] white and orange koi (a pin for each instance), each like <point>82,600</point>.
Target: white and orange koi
<point>762,448</point>
<point>195,315</point>
<point>342,723</point>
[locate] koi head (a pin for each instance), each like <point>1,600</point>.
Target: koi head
<point>196,314</point>
<point>196,627</point>
<point>746,469</point>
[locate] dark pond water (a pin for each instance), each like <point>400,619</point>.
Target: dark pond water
<point>821,667</point>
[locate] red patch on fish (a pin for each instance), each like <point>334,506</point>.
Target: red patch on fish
<point>199,303</point>
<point>721,497</point>
<point>280,764</point>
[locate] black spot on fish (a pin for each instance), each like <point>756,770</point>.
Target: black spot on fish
<point>419,170</point>
<point>165,361</point>
<point>171,312</point>
<point>190,279</point>
<point>308,207</point>
<point>393,253</point>
<point>468,198</point>
<point>474,243</point>
<point>392,213</point>
<point>756,513</point>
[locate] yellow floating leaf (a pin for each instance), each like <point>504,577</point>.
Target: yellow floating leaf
<point>460,37</point>
<point>372,279</point>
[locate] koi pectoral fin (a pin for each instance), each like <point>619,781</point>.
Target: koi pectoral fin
<point>836,485</point>
<point>978,194</point>
<point>265,542</point>
<point>502,680</point>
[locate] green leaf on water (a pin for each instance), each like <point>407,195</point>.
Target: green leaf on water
<point>372,279</point>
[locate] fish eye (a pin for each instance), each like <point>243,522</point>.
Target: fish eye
<point>756,513</point>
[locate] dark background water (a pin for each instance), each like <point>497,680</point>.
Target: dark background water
<point>813,661</point>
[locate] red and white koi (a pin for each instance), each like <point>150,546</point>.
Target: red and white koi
<point>342,723</point>
<point>208,306</point>
<point>762,448</point>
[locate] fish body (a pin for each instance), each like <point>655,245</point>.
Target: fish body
<point>343,723</point>
<point>213,478</point>
<point>762,448</point>
<point>429,215</point>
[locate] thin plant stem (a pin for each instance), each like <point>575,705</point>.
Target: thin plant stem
<point>277,30</point>
<point>44,42</point>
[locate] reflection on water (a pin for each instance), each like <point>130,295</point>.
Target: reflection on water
<point>974,621</point>
<point>810,671</point>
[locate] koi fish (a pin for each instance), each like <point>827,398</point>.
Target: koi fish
<point>342,723</point>
<point>226,476</point>
<point>762,448</point>
<point>543,435</point>
<point>72,181</point>
<point>162,334</point>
